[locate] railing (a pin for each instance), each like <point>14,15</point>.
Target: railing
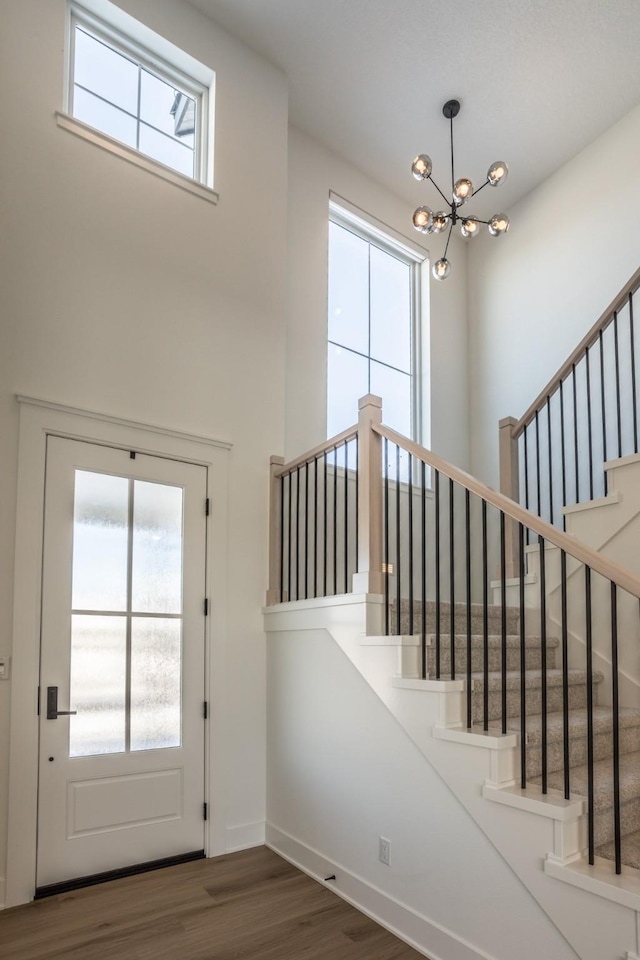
<point>373,512</point>
<point>587,414</point>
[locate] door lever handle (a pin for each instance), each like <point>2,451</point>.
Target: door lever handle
<point>52,706</point>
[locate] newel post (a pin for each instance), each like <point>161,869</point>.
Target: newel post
<point>275,532</point>
<point>368,579</point>
<point>510,487</point>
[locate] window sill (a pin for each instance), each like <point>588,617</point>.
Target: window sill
<point>92,135</point>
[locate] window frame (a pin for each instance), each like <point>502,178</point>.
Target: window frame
<point>377,234</point>
<point>136,51</point>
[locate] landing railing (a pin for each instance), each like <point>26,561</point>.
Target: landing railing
<point>554,455</point>
<point>370,511</point>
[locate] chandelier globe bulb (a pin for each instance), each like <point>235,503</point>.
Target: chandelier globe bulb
<point>497,173</point>
<point>441,269</point>
<point>421,167</point>
<point>498,224</point>
<point>441,221</point>
<point>462,191</point>
<point>470,228</point>
<point>423,219</point>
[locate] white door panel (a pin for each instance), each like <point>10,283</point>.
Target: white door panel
<point>122,775</point>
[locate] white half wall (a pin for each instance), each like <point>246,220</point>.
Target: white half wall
<point>314,173</point>
<point>123,294</point>
<point>533,294</point>
<point>342,772</point>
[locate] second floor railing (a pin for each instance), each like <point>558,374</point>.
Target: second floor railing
<point>554,455</point>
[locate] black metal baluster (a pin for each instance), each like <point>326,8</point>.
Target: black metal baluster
<point>335,521</point>
<point>526,473</point>
<point>410,494</point>
<point>357,496</point>
<point>297,533</point>
<point>538,492</point>
<point>386,537</point>
<point>324,539</point>
<point>423,591</point>
<point>398,557</point>
<point>616,727</point>
<point>589,432</point>
<point>282,539</point>
<point>523,669</point>
<point>467,540</point>
<point>562,455</point>
<point>604,413</point>
<point>565,674</point>
<point>632,348</point>
<point>346,516</point>
<point>575,432</point>
<point>437,572</point>
<point>306,531</point>
<point>590,786</point>
<point>617,359</point>
<point>452,589</point>
<point>315,526</point>
<point>543,662</point>
<point>485,617</point>
<point>503,610</point>
<point>550,460</point>
<point>290,533</point>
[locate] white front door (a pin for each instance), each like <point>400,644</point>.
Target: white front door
<point>121,778</point>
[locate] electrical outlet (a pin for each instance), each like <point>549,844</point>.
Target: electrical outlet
<point>384,852</point>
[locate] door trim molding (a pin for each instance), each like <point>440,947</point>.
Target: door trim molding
<point>39,419</point>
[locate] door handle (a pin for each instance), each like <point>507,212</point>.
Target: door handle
<point>52,706</point>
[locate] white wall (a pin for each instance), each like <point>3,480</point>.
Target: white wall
<point>314,172</point>
<point>533,294</point>
<point>124,294</point>
<point>342,772</point>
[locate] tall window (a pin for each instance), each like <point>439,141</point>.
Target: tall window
<point>372,326</point>
<point>130,94</point>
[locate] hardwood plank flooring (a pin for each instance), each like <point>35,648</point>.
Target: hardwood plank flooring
<point>250,905</point>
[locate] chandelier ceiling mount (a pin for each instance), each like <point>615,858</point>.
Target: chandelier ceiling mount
<point>427,222</point>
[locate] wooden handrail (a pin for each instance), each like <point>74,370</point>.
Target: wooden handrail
<point>587,341</point>
<point>349,434</point>
<point>564,541</point>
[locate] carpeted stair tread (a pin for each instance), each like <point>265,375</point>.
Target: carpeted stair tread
<point>493,640</point>
<point>533,679</point>
<point>603,781</point>
<point>602,724</point>
<point>630,850</point>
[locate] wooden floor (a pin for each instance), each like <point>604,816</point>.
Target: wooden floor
<point>250,905</point>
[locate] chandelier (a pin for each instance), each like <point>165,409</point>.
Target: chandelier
<point>427,222</point>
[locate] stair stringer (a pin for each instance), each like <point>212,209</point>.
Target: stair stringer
<point>542,840</point>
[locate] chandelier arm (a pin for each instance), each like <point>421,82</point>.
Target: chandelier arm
<point>470,216</point>
<point>444,257</point>
<point>446,200</point>
<point>480,188</point>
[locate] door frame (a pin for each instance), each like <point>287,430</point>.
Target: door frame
<point>39,419</point>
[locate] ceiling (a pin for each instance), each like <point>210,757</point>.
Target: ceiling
<point>537,79</point>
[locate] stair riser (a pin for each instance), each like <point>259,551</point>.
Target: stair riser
<point>577,698</point>
<point>534,659</point>
<point>602,748</point>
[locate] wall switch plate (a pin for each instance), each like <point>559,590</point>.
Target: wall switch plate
<point>4,667</point>
<point>384,854</point>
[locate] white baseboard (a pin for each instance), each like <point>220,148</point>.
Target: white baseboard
<point>413,928</point>
<point>244,836</point>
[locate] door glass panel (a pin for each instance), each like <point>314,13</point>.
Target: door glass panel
<point>155,683</point>
<point>98,684</point>
<point>100,542</point>
<point>157,548</point>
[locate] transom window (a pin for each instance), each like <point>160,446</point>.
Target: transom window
<point>131,95</point>
<point>373,343</point>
